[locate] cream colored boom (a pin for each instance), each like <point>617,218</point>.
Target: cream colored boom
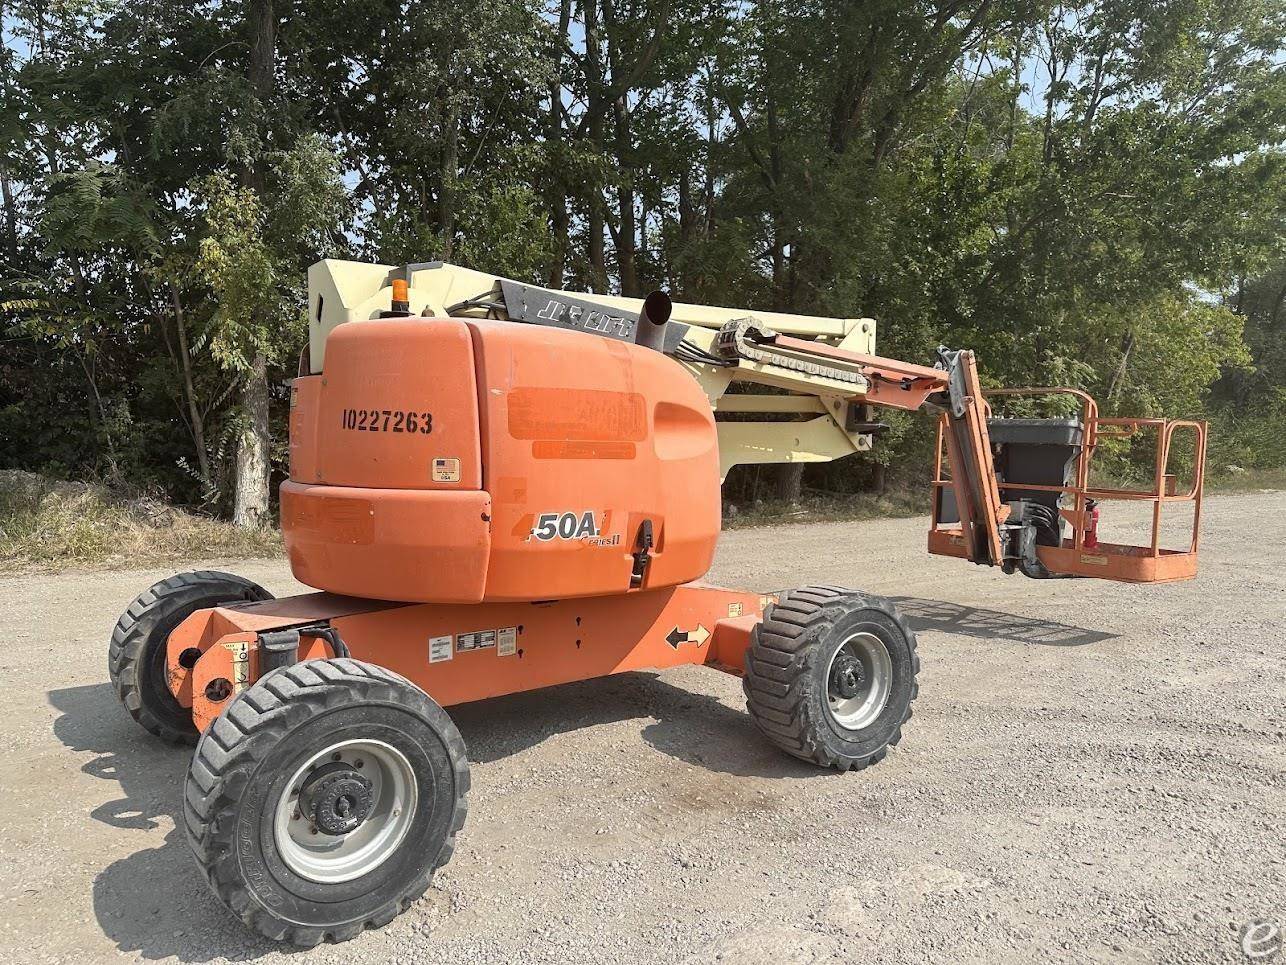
<point>806,425</point>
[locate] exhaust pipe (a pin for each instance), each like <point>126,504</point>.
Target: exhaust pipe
<point>653,319</point>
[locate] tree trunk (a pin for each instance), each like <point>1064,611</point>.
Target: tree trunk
<point>560,224</point>
<point>556,191</point>
<point>1118,376</point>
<point>597,250</point>
<point>189,389</point>
<point>251,506</point>
<point>789,481</point>
<point>1278,302</point>
<point>625,241</point>
<point>262,74</point>
<point>775,212</point>
<point>595,81</point>
<point>712,139</point>
<point>879,478</point>
<point>643,256</point>
<point>10,218</point>
<point>450,168</point>
<point>687,218</point>
<point>778,264</point>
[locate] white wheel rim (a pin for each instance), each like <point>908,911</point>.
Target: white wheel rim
<point>857,701</point>
<point>333,858</point>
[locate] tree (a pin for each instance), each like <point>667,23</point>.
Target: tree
<point>1087,194</point>
<point>248,257</point>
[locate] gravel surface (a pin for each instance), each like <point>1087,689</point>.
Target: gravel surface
<point>1094,772</point>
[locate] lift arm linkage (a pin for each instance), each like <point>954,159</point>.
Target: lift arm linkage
<point>951,387</point>
<point>985,533</point>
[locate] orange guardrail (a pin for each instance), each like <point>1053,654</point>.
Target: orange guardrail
<point>1081,554</point>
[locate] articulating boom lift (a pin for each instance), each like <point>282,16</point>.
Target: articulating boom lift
<point>497,487</point>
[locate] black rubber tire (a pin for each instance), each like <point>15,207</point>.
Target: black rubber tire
<point>245,760</point>
<point>136,654</point>
<point>786,669</point>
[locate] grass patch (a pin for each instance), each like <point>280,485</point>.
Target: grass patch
<point>1247,480</point>
<point>903,502</point>
<point>47,525</point>
<point>819,507</point>
<point>50,525</point>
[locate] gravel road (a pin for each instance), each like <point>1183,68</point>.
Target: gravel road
<point>1094,772</point>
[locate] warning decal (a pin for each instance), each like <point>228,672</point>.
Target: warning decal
<point>507,642</point>
<point>240,664</point>
<point>478,640</point>
<point>440,649</point>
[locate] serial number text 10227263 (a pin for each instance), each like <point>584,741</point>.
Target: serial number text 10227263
<point>387,420</point>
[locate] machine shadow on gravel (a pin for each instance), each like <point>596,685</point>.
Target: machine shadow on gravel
<point>148,903</point>
<point>692,727</point>
<point>972,621</point>
<point>151,904</point>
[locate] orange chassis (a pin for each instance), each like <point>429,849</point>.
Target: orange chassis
<point>462,652</point>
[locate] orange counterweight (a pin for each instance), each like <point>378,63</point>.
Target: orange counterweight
<point>441,460</point>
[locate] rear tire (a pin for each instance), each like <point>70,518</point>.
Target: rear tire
<point>830,676</point>
<point>136,654</point>
<point>323,798</point>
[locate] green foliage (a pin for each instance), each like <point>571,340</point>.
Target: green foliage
<point>1181,345</point>
<point>97,205</point>
<point>250,250</point>
<point>1255,441</point>
<point>1088,195</point>
<point>505,231</point>
<point>236,261</point>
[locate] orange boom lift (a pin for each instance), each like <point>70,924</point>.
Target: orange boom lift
<point>499,495</point>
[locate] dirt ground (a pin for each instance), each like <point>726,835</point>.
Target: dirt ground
<point>1094,772</point>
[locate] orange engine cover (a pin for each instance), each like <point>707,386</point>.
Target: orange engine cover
<point>451,460</point>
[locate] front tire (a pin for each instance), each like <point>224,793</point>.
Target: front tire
<point>830,676</point>
<point>323,798</point>
<point>136,654</point>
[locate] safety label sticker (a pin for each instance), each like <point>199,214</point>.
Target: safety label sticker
<point>240,664</point>
<point>446,470</point>
<point>507,641</point>
<point>440,649</point>
<point>478,640</point>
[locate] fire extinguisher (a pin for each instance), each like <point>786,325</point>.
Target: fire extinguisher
<point>1091,528</point>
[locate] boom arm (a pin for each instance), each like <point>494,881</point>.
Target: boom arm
<point>831,379</point>
<point>952,387</point>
